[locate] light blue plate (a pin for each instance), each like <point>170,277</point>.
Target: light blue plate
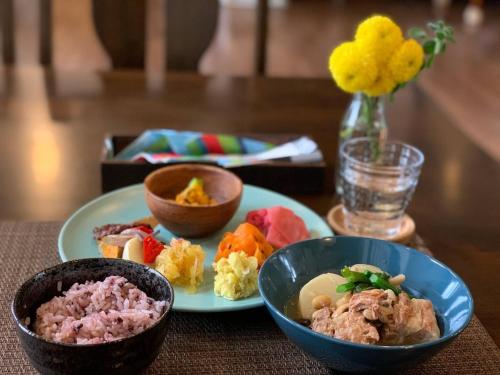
<point>128,204</point>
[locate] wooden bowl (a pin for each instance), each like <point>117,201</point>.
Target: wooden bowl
<point>165,183</point>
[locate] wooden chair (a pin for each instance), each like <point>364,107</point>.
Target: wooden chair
<point>191,26</point>
<point>121,27</point>
<point>261,37</point>
<point>7,31</point>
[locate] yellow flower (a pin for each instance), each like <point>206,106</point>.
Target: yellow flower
<point>407,61</point>
<point>384,83</point>
<point>379,36</point>
<point>352,70</point>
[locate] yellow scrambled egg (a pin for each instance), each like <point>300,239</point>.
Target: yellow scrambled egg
<point>236,276</point>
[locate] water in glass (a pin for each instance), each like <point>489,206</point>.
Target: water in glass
<point>376,194</point>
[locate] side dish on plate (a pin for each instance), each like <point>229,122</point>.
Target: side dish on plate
<point>241,253</point>
<point>239,256</point>
<point>193,200</point>
<point>181,262</point>
<point>246,238</point>
<point>111,238</point>
<point>280,225</point>
<point>194,194</point>
<point>365,305</point>
<point>236,276</point>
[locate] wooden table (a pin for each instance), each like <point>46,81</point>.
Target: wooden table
<point>53,124</point>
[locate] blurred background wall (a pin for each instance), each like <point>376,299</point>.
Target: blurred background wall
<point>302,33</point>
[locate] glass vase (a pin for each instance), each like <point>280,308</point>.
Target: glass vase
<point>364,118</point>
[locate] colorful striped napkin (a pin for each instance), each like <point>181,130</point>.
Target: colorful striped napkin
<point>165,145</point>
<point>191,144</point>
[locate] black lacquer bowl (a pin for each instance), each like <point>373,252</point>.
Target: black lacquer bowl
<point>130,355</point>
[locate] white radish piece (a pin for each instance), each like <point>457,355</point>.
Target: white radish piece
<point>116,240</point>
<point>324,284</point>
<point>134,251</point>
<point>365,267</point>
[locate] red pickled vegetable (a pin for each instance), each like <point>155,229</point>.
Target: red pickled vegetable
<point>152,248</point>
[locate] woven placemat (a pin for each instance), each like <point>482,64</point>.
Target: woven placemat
<point>238,342</point>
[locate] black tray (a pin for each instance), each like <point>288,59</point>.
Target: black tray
<point>281,176</point>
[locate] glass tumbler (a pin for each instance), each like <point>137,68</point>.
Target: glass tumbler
<point>376,193</point>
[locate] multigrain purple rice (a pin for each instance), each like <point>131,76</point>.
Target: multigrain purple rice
<point>97,312</point>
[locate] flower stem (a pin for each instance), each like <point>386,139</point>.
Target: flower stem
<point>369,107</point>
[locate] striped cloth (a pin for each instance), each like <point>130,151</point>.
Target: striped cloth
<point>186,143</point>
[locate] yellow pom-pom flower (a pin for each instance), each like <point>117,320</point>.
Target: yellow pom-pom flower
<point>384,83</point>
<point>379,36</point>
<point>407,61</point>
<point>351,69</point>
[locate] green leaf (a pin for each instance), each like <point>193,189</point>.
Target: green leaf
<point>440,24</point>
<point>429,46</point>
<point>430,61</point>
<point>438,46</point>
<point>417,33</point>
<point>433,26</point>
<point>448,31</point>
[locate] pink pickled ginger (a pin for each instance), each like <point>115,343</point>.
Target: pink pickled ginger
<point>279,224</point>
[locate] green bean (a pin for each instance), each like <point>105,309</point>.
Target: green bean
<point>380,282</point>
<point>342,288</point>
<point>353,276</point>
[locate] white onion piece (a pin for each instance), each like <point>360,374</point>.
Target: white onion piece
<point>365,267</point>
<point>398,279</point>
<point>135,232</point>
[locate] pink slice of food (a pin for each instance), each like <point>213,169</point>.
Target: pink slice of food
<point>276,238</point>
<point>259,219</point>
<point>280,225</point>
<point>287,225</point>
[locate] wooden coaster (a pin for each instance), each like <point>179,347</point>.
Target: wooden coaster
<point>335,218</point>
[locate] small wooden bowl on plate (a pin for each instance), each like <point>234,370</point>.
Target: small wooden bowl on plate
<point>165,183</point>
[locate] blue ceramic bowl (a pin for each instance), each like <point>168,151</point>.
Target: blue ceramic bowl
<point>130,355</point>
<point>287,270</point>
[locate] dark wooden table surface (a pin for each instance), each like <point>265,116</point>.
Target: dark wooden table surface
<point>52,125</point>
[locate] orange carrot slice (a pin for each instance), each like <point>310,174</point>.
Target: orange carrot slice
<point>245,238</point>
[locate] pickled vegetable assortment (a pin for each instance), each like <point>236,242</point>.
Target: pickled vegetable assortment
<point>237,259</point>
